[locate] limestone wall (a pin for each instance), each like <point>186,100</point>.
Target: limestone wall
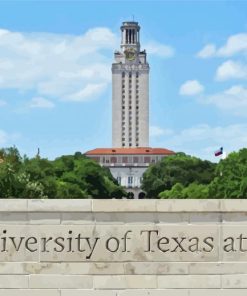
<point>123,247</point>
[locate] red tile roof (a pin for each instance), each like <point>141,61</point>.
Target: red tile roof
<point>137,150</point>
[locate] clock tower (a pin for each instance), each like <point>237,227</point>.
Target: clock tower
<point>130,91</point>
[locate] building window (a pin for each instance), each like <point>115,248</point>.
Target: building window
<point>147,159</point>
<point>123,144</point>
<point>123,107</point>
<point>123,74</point>
<point>119,180</point>
<point>130,75</point>
<point>130,144</point>
<point>130,180</point>
<point>137,74</point>
<point>137,144</point>
<point>125,159</point>
<point>123,139</point>
<point>135,159</point>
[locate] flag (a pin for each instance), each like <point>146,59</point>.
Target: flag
<point>218,152</point>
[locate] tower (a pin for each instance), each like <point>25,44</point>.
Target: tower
<point>130,91</point>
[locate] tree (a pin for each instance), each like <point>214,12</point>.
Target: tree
<point>230,177</point>
<point>68,176</point>
<point>179,168</point>
<point>193,191</point>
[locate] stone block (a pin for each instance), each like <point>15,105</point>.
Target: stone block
<point>125,282</point>
<point>189,281</point>
<point>77,218</point>
<point>114,205</point>
<point>44,218</point>
<point>59,205</point>
<point>233,205</point>
<point>13,205</point>
<point>218,292</point>
<point>234,281</point>
<point>173,218</point>
<point>188,205</point>
<point>156,268</point>
<point>29,292</point>
<point>205,218</point>
<point>13,281</point>
<point>60,282</point>
<point>12,268</point>
<point>13,218</point>
<point>234,218</point>
<point>79,292</point>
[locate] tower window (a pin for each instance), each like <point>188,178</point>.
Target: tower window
<point>123,74</point>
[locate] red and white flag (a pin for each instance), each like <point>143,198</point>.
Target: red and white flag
<point>218,152</point>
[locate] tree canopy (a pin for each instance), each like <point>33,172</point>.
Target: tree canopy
<point>70,176</point>
<point>179,168</point>
<point>183,176</point>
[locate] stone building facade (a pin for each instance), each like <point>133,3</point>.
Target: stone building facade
<point>130,91</point>
<point>131,155</point>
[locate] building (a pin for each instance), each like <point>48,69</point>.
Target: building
<point>127,165</point>
<point>130,91</point>
<point>131,154</point>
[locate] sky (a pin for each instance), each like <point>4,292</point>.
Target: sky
<point>55,74</point>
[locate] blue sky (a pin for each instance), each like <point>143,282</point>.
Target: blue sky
<point>55,74</point>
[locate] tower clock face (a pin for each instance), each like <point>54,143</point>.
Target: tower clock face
<point>130,54</point>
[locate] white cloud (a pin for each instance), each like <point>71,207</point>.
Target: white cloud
<point>208,51</point>
<point>3,103</point>
<point>156,131</point>
<point>87,92</point>
<point>233,100</point>
<point>54,64</point>
<point>202,140</point>
<point>191,88</point>
<point>61,66</point>
<point>158,49</point>
<point>39,102</point>
<point>231,70</point>
<point>235,44</point>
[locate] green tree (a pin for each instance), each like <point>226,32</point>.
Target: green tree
<point>68,176</point>
<point>230,177</point>
<point>179,168</point>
